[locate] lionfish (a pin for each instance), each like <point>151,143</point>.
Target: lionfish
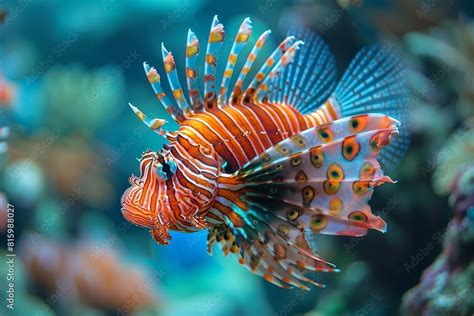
<point>266,165</point>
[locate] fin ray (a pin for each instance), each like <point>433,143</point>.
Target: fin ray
<point>240,41</point>
<point>192,52</point>
<point>375,83</point>
<point>216,38</point>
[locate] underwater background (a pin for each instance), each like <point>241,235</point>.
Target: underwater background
<point>68,143</point>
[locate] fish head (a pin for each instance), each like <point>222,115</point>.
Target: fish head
<point>174,191</point>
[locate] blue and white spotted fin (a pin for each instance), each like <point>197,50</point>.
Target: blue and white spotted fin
<point>375,83</point>
<point>325,174</point>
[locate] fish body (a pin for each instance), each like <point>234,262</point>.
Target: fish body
<point>238,133</point>
<point>263,166</point>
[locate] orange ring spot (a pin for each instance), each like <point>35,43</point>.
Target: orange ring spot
<point>367,171</point>
<point>318,222</point>
<point>331,187</point>
<point>335,206</point>
<point>360,187</point>
<point>308,195</point>
<point>317,157</point>
<point>358,123</point>
<point>335,172</point>
<point>350,148</point>
<point>301,176</point>
<point>325,134</point>
<point>358,216</point>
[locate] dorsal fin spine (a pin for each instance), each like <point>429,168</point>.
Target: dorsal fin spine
<point>296,84</point>
<point>237,91</point>
<point>284,61</point>
<point>216,38</point>
<point>240,41</point>
<point>154,80</point>
<point>154,124</point>
<point>267,66</point>
<point>172,74</point>
<point>192,52</point>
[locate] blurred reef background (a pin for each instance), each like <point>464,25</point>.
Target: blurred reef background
<point>68,143</point>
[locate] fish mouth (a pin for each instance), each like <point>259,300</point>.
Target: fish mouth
<point>139,216</point>
<point>136,214</point>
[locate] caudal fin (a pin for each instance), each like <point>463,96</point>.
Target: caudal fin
<point>375,83</point>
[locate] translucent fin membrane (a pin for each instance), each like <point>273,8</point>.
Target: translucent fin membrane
<point>267,66</point>
<point>374,83</point>
<point>284,61</point>
<point>309,79</point>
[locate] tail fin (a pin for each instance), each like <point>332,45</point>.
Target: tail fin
<point>375,83</point>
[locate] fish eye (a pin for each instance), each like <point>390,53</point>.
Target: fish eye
<point>165,169</point>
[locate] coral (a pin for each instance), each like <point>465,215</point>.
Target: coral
<point>458,153</point>
<point>54,154</point>
<point>78,99</point>
<point>80,273</point>
<point>450,47</point>
<point>446,286</point>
